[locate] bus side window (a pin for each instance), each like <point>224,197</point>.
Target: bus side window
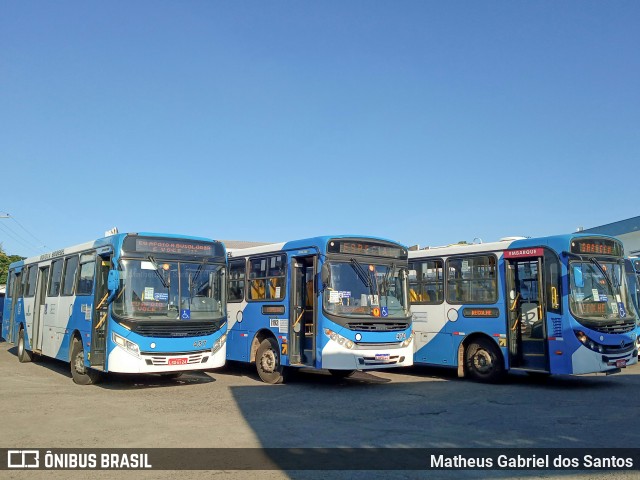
<point>267,277</point>
<point>55,280</point>
<point>69,279</point>
<point>236,281</point>
<point>85,279</point>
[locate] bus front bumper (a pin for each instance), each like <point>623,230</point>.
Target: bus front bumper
<point>366,357</point>
<point>123,362</point>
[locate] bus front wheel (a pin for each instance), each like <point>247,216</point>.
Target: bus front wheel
<point>80,373</point>
<point>24,355</point>
<point>268,363</point>
<point>483,361</point>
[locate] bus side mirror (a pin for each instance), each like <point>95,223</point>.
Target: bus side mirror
<point>113,281</point>
<point>577,276</point>
<point>325,275</point>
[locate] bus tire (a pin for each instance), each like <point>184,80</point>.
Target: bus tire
<point>80,373</point>
<point>24,355</point>
<point>483,361</point>
<point>342,373</point>
<point>268,365</point>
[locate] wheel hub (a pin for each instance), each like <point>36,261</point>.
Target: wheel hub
<point>79,363</point>
<point>268,361</point>
<point>482,361</point>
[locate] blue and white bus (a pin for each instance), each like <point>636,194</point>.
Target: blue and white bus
<point>554,305</point>
<point>633,280</point>
<point>129,303</point>
<point>2,290</point>
<point>632,269</point>
<point>338,303</point>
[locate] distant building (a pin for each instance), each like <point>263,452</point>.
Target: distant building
<point>626,230</point>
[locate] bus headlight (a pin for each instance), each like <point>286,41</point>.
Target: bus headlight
<point>219,343</point>
<point>408,341</point>
<point>125,344</point>
<point>345,342</point>
<point>587,342</point>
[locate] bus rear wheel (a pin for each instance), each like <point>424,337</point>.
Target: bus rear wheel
<point>483,361</point>
<point>80,373</point>
<point>268,363</point>
<point>24,355</point>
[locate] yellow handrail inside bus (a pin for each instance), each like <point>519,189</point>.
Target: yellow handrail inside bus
<point>515,303</point>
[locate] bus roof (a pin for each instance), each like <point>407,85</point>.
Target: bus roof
<point>319,243</point>
<point>557,242</point>
<point>114,240</point>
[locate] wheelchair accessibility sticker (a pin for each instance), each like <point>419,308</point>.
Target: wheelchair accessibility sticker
<point>185,314</point>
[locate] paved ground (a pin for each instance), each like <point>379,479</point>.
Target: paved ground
<point>419,407</point>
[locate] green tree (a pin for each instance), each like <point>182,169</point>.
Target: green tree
<point>5,260</point>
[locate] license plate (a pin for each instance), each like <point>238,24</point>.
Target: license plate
<point>178,361</point>
<point>621,363</point>
<point>382,357</point>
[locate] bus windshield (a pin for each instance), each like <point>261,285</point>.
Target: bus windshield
<point>169,290</point>
<point>599,292</point>
<point>372,290</point>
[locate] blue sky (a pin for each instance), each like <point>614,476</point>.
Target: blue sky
<point>422,121</point>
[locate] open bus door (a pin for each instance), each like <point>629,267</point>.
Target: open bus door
<point>15,296</point>
<point>40,309</point>
<point>101,312</point>
<point>526,307</point>
<point>303,318</point>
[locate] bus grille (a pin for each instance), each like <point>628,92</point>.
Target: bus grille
<point>176,330</point>
<point>378,327</point>
<point>623,328</point>
<point>164,360</point>
<point>394,359</point>
<point>616,350</point>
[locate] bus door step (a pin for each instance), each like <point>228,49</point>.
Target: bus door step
<point>307,357</point>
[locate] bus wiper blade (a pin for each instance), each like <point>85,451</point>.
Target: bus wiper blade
<point>597,264</point>
<point>192,282</point>
<point>362,274</point>
<point>390,269</point>
<point>156,269</point>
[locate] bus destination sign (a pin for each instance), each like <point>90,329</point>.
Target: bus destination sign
<point>481,312</point>
<point>596,246</point>
<point>358,247</point>
<point>174,247</point>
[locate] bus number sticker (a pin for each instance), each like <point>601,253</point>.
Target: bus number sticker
<point>334,296</point>
<point>274,323</point>
<point>86,309</point>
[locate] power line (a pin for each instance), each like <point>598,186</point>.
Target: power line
<point>43,246</point>
<point>17,237</point>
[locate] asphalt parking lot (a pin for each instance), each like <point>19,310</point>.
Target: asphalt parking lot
<point>231,408</point>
